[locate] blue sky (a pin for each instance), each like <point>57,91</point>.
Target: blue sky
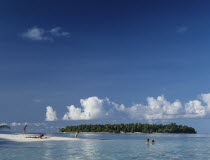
<point>55,53</point>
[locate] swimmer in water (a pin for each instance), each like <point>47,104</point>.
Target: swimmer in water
<point>153,141</point>
<point>147,141</point>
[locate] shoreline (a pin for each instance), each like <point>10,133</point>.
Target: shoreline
<point>22,138</point>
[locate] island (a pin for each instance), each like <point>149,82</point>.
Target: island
<point>129,128</point>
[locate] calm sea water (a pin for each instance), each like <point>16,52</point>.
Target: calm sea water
<point>111,147</point>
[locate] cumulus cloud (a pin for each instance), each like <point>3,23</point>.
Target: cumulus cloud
<point>206,99</point>
<point>198,108</point>
<point>50,114</point>
<point>194,109</point>
<point>39,34</point>
<point>155,109</point>
<point>92,108</point>
<point>160,108</point>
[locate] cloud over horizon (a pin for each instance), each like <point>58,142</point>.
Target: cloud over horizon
<point>39,34</point>
<point>92,108</point>
<point>50,114</point>
<point>156,109</point>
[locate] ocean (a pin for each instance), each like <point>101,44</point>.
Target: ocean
<point>106,146</point>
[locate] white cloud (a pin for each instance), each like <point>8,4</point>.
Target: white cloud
<point>50,114</point>
<point>74,113</point>
<point>36,33</point>
<point>194,109</point>
<point>57,32</point>
<point>39,34</point>
<point>92,108</point>
<point>156,109</point>
<point>160,108</point>
<point>206,99</point>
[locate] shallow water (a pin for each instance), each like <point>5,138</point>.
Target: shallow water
<point>111,146</point>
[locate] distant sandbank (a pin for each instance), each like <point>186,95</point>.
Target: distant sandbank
<point>22,138</point>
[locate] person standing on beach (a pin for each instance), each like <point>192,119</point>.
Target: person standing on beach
<point>76,134</point>
<point>24,129</point>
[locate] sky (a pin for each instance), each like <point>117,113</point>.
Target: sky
<point>103,61</point>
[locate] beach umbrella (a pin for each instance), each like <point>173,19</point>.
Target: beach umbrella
<point>4,127</point>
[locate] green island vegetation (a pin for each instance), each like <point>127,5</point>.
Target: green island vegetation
<point>130,128</point>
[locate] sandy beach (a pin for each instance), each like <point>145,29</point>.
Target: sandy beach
<point>21,138</point>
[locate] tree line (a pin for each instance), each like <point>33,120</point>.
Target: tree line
<point>132,128</point>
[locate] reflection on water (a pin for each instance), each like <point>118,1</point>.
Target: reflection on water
<point>118,146</point>
<point>47,152</point>
<point>89,148</point>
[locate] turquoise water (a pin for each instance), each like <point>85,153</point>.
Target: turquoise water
<point>111,147</point>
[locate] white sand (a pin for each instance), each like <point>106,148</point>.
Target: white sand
<point>21,138</point>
